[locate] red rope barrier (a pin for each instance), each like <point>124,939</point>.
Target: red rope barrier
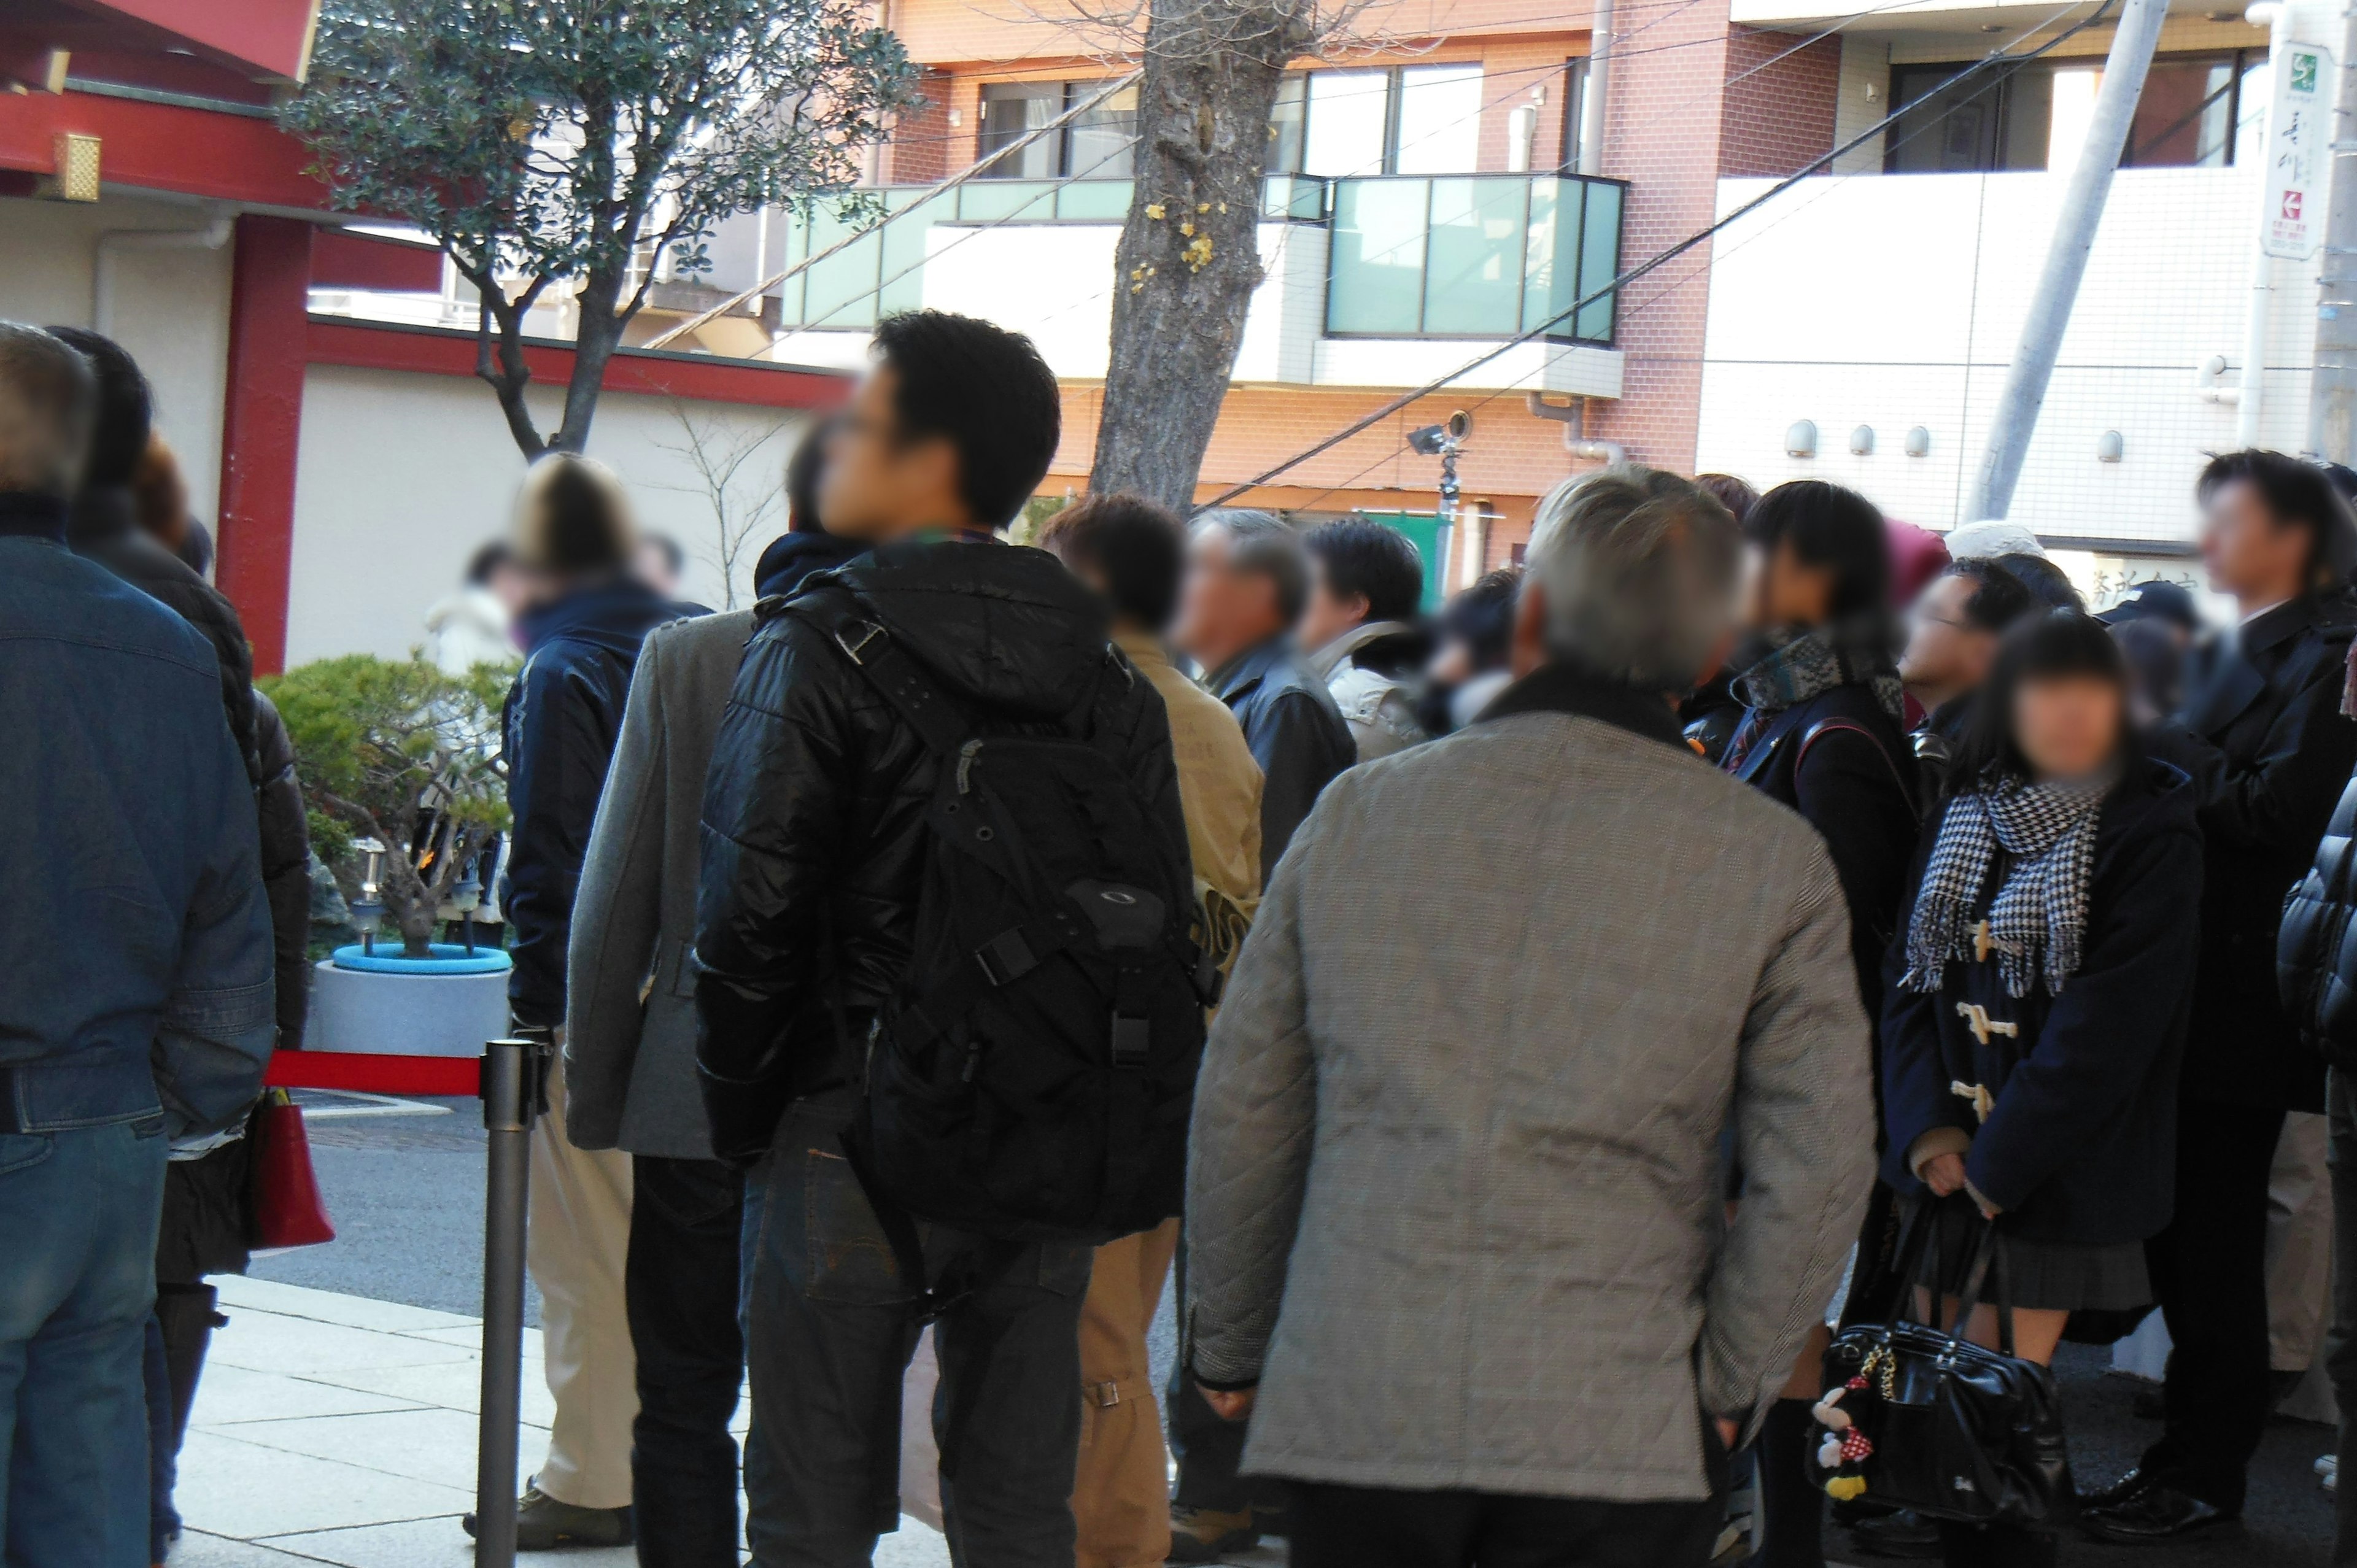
<point>371,1074</point>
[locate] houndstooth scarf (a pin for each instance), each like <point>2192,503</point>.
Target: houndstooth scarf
<point>2041,913</point>
<point>1856,651</point>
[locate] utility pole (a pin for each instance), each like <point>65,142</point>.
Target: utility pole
<point>2332,395</point>
<point>1991,495</point>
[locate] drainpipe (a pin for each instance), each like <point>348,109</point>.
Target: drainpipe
<point>1599,77</point>
<point>114,241</point>
<point>2277,18</point>
<point>1573,417</point>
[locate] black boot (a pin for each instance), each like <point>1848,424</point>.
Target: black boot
<point>1792,1510</point>
<point>187,1314</point>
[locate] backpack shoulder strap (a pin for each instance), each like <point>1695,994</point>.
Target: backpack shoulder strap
<point>1851,727</point>
<point>898,677</point>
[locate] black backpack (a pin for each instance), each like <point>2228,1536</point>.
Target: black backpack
<point>1034,1075</point>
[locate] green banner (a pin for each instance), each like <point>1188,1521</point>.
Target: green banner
<point>1429,534</point>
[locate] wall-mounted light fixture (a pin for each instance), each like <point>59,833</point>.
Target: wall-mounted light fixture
<point>2109,446</point>
<point>1861,440</point>
<point>1919,442</point>
<point>1801,439</point>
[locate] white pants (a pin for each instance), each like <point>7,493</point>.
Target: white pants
<point>579,1237</point>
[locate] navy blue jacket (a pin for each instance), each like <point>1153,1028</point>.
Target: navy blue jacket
<point>791,557</point>
<point>563,716</point>
<point>2082,1145</point>
<point>136,946</point>
<point>1295,732</point>
<point>1858,789</point>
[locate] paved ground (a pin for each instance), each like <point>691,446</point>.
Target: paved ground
<point>336,1427</point>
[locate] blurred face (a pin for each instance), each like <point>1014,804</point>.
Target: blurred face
<point>1222,611</point>
<point>2068,726</point>
<point>1327,613</point>
<point>2249,554</point>
<point>1451,663</point>
<point>1780,589</point>
<point>1945,653</point>
<point>877,485</point>
<point>511,585</point>
<point>650,564</point>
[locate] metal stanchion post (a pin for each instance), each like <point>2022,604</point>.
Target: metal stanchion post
<point>514,1093</point>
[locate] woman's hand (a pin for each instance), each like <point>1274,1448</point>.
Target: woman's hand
<point>1944,1173</point>
<point>1229,1404</point>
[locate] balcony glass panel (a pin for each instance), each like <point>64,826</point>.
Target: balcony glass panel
<point>1377,287</point>
<point>902,282</point>
<point>1473,268</point>
<point>1095,201</point>
<point>1600,262</point>
<point>1018,201</point>
<point>840,291</point>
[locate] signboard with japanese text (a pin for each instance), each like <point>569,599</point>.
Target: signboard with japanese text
<point>2299,135</point>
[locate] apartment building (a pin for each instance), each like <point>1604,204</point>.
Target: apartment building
<point>1423,207</point>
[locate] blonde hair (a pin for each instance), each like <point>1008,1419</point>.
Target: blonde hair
<point>572,517</point>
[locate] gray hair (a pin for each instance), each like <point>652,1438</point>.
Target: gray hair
<point>49,399</point>
<point>1266,544</point>
<point>1638,569</point>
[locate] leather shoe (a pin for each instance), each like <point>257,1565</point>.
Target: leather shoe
<point>2118,1492</point>
<point>1905,1533</point>
<point>2152,1512</point>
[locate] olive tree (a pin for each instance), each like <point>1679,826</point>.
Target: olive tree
<point>573,142</point>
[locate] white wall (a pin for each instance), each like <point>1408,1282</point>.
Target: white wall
<point>402,475</point>
<point>1894,301</point>
<point>170,309</point>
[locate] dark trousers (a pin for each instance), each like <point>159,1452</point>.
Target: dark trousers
<point>2340,1345</point>
<point>679,1285</point>
<point>830,1324</point>
<point>1206,1447</point>
<point>1364,1527</point>
<point>2209,1269</point>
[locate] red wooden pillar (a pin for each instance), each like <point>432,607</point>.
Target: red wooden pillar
<point>262,422</point>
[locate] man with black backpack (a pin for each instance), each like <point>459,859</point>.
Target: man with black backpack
<point>950,1011</point>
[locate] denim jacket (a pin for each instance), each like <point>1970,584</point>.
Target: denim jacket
<point>136,944</point>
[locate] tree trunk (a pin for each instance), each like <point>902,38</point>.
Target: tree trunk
<point>596,335</point>
<point>1189,253</point>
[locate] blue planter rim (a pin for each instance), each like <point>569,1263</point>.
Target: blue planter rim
<point>449,958</point>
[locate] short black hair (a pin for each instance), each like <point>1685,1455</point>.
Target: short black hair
<point>575,521</point>
<point>1137,549</point>
<point>1266,546</point>
<point>1365,560</point>
<point>801,480</point>
<point>987,392</point>
<point>1737,495</point>
<point>126,408</point>
<point>2044,647</point>
<point>1828,525</point>
<point>1999,598</point>
<point>1483,616</point>
<point>2296,494</point>
<point>2042,578</point>
<point>487,562</point>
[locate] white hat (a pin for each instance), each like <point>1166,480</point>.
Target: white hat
<point>1987,540</point>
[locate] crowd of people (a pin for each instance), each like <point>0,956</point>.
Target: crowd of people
<point>1520,1035</point>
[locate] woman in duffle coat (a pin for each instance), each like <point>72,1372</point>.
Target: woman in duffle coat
<point>2036,1006</point>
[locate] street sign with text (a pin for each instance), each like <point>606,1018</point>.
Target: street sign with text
<point>2299,132</point>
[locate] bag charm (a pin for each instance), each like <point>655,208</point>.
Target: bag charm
<point>1845,1446</point>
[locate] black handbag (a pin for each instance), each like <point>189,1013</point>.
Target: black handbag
<point>1917,1417</point>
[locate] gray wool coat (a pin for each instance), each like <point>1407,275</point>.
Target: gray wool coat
<point>1455,1195</point>
<point>629,989</point>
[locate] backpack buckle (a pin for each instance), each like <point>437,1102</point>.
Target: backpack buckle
<point>851,650</point>
<point>1132,1039</point>
<point>1006,956</point>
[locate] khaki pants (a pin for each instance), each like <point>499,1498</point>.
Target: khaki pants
<point>578,1240</point>
<point>1121,1496</point>
<point>2299,1245</point>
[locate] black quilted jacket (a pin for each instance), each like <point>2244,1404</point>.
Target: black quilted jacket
<point>813,835</point>
<point>2316,951</point>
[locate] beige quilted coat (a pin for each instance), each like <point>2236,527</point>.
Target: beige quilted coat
<point>1456,1194</point>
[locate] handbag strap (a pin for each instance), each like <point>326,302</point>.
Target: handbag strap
<point>1907,1265</point>
<point>1988,1256</point>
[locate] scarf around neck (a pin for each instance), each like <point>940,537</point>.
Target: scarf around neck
<point>1855,652</point>
<point>2039,919</point>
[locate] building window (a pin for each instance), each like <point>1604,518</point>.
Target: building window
<point>1575,112</point>
<point>1099,145</point>
<point>1417,119</point>
<point>2194,110</point>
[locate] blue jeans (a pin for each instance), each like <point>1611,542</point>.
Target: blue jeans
<point>829,1327</point>
<point>79,1207</point>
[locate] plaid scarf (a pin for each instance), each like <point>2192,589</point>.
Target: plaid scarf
<point>2039,916</point>
<point>1851,652</point>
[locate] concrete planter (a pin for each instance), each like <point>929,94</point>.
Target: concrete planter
<point>409,1008</point>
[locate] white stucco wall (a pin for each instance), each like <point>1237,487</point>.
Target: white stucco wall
<point>402,475</point>
<point>170,309</point>
<point>1894,301</point>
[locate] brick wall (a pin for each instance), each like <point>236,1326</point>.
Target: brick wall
<point>1778,116</point>
<point>923,147</point>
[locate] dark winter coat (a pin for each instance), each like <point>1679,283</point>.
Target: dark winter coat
<point>813,830</point>
<point>1296,734</point>
<point>104,529</point>
<point>562,718</point>
<point>791,557</point>
<point>2082,1145</point>
<point>2316,956</point>
<point>1841,761</point>
<point>285,869</point>
<point>2270,753</point>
